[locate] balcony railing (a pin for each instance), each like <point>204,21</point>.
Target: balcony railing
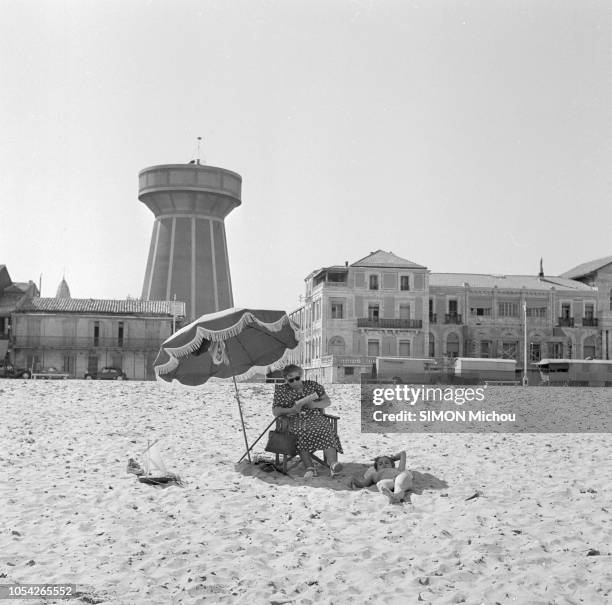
<point>565,322</point>
<point>433,318</point>
<point>589,321</point>
<point>85,342</point>
<point>452,318</point>
<point>396,324</point>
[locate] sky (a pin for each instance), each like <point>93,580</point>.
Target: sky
<point>466,136</point>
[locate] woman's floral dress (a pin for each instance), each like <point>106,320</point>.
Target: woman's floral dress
<point>312,430</point>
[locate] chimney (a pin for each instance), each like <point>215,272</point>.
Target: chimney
<point>346,263</point>
<point>541,273</point>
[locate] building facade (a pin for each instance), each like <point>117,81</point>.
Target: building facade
<point>387,306</point>
<point>598,274</point>
<point>77,336</point>
<point>12,294</point>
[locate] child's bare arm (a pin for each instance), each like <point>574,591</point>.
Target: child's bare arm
<point>367,480</point>
<point>402,461</point>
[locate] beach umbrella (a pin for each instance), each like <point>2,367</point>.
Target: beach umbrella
<point>228,344</point>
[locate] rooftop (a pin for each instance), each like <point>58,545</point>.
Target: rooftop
<point>587,268</point>
<point>381,258</point>
<point>160,308</point>
<point>507,282</point>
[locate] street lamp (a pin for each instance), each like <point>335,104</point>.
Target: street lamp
<point>525,379</point>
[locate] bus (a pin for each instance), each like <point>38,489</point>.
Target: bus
<point>576,372</point>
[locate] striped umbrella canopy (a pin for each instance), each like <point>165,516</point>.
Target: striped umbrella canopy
<point>227,344</point>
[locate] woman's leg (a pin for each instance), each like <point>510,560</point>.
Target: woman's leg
<point>331,456</point>
<point>306,459</point>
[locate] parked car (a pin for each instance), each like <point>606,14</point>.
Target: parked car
<point>10,371</point>
<point>107,374</point>
<point>50,373</point>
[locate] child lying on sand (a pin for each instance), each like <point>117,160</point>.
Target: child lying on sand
<point>390,481</point>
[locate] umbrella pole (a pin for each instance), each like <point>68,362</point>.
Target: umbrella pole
<point>246,443</point>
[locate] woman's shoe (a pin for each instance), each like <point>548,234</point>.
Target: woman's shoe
<point>335,469</point>
<point>311,472</point>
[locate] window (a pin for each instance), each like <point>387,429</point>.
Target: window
<point>92,364</point>
<point>536,312</point>
<point>588,348</point>
<point>508,309</point>
<point>589,311</point>
<point>566,310</point>
<point>404,348</point>
<point>33,362</point>
<point>535,352</point>
<point>373,282</point>
<point>373,348</point>
<point>452,307</point>
<point>336,346</point>
<point>3,325</point>
<point>96,333</point>
<point>69,363</point>
<point>120,334</point>
<point>509,349</point>
<point>404,311</point>
<point>405,282</point>
<point>485,348</point>
<point>349,371</point>
<point>336,310</point>
<point>432,345</point>
<point>481,311</point>
<point>373,311</point>
<point>555,350</point>
<point>452,345</point>
<point>610,300</point>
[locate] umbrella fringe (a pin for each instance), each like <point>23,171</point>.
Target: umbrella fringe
<point>218,335</point>
<point>277,365</point>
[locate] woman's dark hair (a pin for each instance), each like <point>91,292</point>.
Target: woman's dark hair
<point>379,459</point>
<point>291,368</point>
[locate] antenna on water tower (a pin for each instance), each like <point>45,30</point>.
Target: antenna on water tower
<point>198,152</point>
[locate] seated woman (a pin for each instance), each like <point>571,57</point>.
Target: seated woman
<point>303,402</point>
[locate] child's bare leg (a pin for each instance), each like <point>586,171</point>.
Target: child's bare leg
<point>403,483</point>
<point>385,487</point>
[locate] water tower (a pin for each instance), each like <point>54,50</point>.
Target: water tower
<point>188,253</point>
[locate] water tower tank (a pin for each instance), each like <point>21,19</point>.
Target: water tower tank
<point>188,253</point>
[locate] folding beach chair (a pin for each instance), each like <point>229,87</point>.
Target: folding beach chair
<point>289,460</point>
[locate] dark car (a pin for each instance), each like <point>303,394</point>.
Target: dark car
<point>107,374</point>
<point>10,371</point>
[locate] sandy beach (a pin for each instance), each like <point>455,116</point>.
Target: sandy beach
<point>234,534</point>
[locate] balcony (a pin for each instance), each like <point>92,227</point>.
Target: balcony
<point>565,322</point>
<point>86,342</point>
<point>452,318</point>
<point>589,321</point>
<point>335,284</point>
<point>433,318</point>
<point>390,324</point>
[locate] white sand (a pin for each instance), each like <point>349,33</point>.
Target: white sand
<point>71,513</point>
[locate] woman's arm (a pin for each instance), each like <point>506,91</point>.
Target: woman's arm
<point>320,403</point>
<point>296,408</point>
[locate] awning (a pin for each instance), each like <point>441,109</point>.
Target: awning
<point>3,348</point>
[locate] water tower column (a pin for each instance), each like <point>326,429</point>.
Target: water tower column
<point>188,253</point>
